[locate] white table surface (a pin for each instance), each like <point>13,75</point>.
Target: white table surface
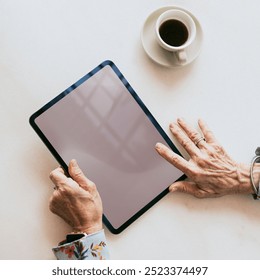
<point>45,46</point>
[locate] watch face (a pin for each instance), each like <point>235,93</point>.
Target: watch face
<point>74,236</point>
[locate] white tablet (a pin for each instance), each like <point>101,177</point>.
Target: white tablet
<point>102,123</point>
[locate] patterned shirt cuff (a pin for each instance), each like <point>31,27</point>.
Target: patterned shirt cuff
<point>90,247</point>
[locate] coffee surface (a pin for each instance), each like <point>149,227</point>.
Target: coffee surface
<point>174,32</point>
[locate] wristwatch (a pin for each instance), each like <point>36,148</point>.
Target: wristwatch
<point>256,188</point>
<point>73,236</point>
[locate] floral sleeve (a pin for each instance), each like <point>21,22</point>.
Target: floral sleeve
<point>90,247</point>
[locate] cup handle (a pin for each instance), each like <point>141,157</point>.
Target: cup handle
<point>181,56</point>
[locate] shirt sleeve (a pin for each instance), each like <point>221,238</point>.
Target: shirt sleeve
<point>89,247</point>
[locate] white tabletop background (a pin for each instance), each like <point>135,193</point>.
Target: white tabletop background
<point>45,46</point>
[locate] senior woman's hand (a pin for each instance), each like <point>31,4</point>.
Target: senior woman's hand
<point>76,200</point>
<point>211,172</point>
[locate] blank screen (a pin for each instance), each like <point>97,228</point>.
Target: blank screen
<point>102,126</point>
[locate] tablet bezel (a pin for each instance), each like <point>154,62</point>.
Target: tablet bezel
<point>145,110</point>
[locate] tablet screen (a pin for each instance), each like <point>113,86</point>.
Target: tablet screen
<point>101,122</point>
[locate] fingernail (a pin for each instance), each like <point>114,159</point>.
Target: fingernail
<point>74,162</point>
<point>200,120</point>
<point>180,120</point>
<point>158,146</point>
<point>171,125</point>
<point>173,189</point>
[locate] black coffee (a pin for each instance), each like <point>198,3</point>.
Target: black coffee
<point>174,32</point>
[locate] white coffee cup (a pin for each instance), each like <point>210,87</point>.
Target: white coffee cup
<point>180,34</point>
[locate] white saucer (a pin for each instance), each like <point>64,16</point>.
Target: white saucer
<point>157,53</point>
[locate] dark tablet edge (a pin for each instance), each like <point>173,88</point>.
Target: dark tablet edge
<point>145,110</point>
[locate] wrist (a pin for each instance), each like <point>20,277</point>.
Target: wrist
<point>244,181</point>
<point>88,229</point>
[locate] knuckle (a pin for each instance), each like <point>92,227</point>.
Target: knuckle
<point>172,157</point>
<point>185,143</point>
<point>89,196</point>
<point>64,190</point>
<point>194,135</point>
<point>77,173</point>
<point>195,174</point>
<point>202,161</point>
<point>211,152</point>
<point>218,148</point>
<point>69,182</point>
<point>184,189</point>
<point>199,194</point>
<point>92,186</point>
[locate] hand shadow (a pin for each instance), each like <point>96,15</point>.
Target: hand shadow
<point>243,205</point>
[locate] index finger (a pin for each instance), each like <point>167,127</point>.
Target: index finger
<point>58,177</point>
<point>174,158</point>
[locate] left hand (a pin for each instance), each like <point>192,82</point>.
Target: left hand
<point>210,170</point>
<point>76,200</point>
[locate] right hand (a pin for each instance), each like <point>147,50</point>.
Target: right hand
<point>76,200</point>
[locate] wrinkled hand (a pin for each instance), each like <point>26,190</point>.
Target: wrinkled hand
<point>76,200</point>
<point>211,172</point>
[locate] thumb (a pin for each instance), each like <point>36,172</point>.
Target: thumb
<point>186,187</point>
<point>77,175</point>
